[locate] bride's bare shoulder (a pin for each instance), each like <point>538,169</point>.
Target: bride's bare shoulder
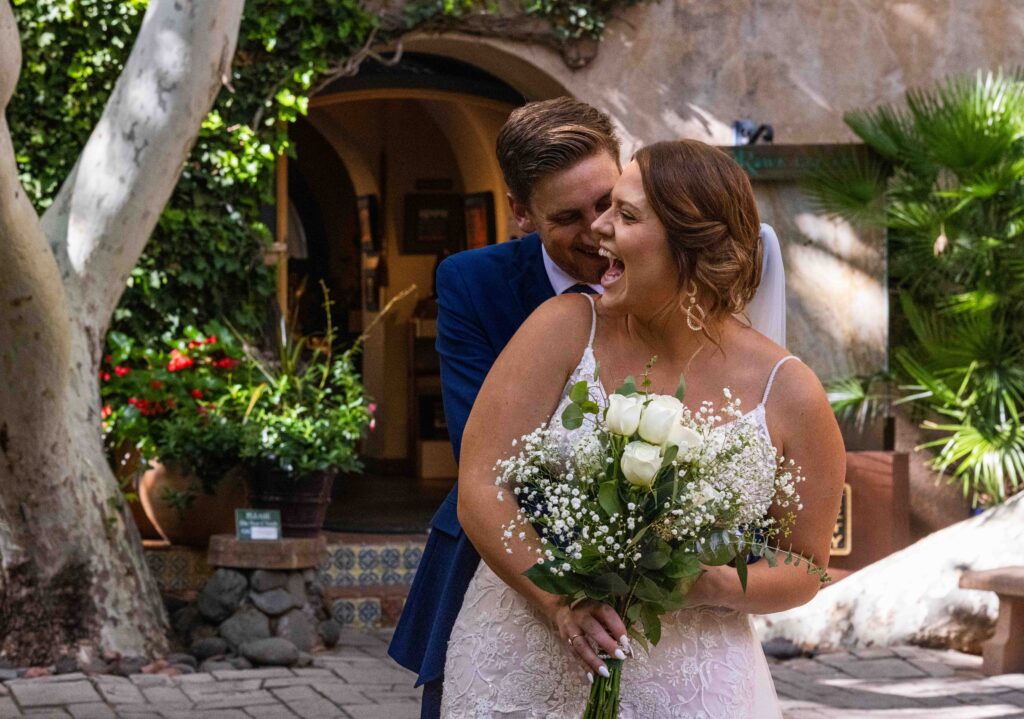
<point>795,383</point>
<point>559,328</point>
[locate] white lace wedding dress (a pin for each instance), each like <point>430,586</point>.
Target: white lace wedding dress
<point>506,661</point>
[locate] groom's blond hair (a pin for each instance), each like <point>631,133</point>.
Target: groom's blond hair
<point>542,138</point>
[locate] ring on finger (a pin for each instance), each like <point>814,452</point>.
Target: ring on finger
<point>573,638</point>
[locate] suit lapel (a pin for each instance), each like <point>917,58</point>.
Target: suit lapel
<point>529,283</point>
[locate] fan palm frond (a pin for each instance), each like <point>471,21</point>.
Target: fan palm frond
<point>985,459</point>
<point>861,398</point>
<point>850,187</point>
<point>970,123</point>
<point>891,134</point>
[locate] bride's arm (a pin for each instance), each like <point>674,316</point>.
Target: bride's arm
<point>803,423</point>
<point>521,391</point>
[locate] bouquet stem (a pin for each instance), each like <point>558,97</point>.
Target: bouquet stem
<point>604,694</point>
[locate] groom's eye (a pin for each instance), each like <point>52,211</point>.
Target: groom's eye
<point>566,218</point>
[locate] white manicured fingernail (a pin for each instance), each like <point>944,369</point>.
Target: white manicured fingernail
<point>590,677</point>
<point>603,671</point>
<point>620,655</point>
<point>624,640</point>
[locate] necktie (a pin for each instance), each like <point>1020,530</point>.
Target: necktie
<point>582,289</point>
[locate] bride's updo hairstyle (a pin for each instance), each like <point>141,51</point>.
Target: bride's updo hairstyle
<point>704,200</point>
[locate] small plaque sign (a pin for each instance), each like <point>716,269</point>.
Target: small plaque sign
<point>258,524</point>
<point>842,533</point>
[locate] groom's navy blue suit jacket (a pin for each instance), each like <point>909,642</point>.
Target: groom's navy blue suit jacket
<point>483,297</point>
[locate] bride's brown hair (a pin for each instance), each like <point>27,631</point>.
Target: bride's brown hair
<point>706,204</point>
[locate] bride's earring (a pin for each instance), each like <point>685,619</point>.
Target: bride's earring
<point>695,314</point>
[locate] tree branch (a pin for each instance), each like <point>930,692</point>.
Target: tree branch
<point>107,208</point>
<point>34,327</point>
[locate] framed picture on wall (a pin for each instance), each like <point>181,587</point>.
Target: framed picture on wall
<point>434,224</point>
<point>480,229</point>
<point>373,274</point>
<point>369,223</point>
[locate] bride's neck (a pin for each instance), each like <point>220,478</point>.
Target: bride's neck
<point>667,334</point>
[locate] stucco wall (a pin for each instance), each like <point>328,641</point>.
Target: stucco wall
<point>691,67</point>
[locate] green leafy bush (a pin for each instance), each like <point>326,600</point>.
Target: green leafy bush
<point>947,182</point>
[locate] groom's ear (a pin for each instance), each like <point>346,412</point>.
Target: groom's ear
<point>521,214</point>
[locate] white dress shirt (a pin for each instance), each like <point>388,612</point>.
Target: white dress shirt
<point>560,279</point>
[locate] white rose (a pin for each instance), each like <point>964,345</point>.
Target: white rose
<point>659,416</point>
<point>624,414</point>
<point>641,463</point>
<point>684,438</point>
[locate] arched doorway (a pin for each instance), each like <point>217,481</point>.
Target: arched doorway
<point>395,169</point>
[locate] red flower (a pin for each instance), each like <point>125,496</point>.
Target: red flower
<point>109,359</point>
<point>122,371</point>
<point>156,384</point>
<point>179,361</point>
<point>371,408</point>
<point>105,376</point>
<point>211,340</point>
<point>106,411</point>
<point>196,393</point>
<point>193,344</point>
<point>226,363</point>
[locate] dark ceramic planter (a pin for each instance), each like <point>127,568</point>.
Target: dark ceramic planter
<point>302,501</point>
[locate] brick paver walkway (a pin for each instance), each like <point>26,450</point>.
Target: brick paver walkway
<point>358,681</point>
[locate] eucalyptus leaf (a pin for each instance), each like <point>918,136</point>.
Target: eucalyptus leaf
<point>628,387</point>
<point>608,498</point>
<point>741,570</point>
<point>652,624</point>
<point>580,392</point>
<point>654,559</point>
<point>613,583</point>
<point>572,417</point>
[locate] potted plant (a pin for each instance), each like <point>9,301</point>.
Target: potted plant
<point>303,421</point>
<point>302,424</point>
<point>163,413</point>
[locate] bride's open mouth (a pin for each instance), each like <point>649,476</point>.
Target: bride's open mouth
<point>615,270</point>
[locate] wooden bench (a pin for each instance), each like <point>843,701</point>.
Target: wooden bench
<point>1004,652</point>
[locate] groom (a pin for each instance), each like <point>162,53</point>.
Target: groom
<point>560,159</point>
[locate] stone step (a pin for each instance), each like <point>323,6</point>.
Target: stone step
<point>367,576</point>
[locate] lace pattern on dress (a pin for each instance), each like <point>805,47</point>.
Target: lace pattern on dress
<point>506,661</point>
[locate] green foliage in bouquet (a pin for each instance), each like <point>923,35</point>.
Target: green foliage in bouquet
<point>947,183</point>
<point>646,495</point>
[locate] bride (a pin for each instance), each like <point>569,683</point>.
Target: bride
<point>681,236</point>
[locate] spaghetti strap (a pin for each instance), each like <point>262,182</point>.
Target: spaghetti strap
<point>771,377</point>
<point>593,321</point>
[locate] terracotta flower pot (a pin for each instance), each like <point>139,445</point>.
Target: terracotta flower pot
<point>302,501</point>
<point>128,471</point>
<point>209,514</point>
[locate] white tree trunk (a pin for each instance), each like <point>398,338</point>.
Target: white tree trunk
<point>72,571</point>
<point>913,596</point>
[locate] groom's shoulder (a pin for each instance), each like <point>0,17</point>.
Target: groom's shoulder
<point>494,260</point>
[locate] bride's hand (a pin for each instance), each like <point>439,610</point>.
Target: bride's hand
<point>590,623</point>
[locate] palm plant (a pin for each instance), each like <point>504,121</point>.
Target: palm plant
<point>946,180</point>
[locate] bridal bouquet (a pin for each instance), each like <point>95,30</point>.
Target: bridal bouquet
<point>630,508</point>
